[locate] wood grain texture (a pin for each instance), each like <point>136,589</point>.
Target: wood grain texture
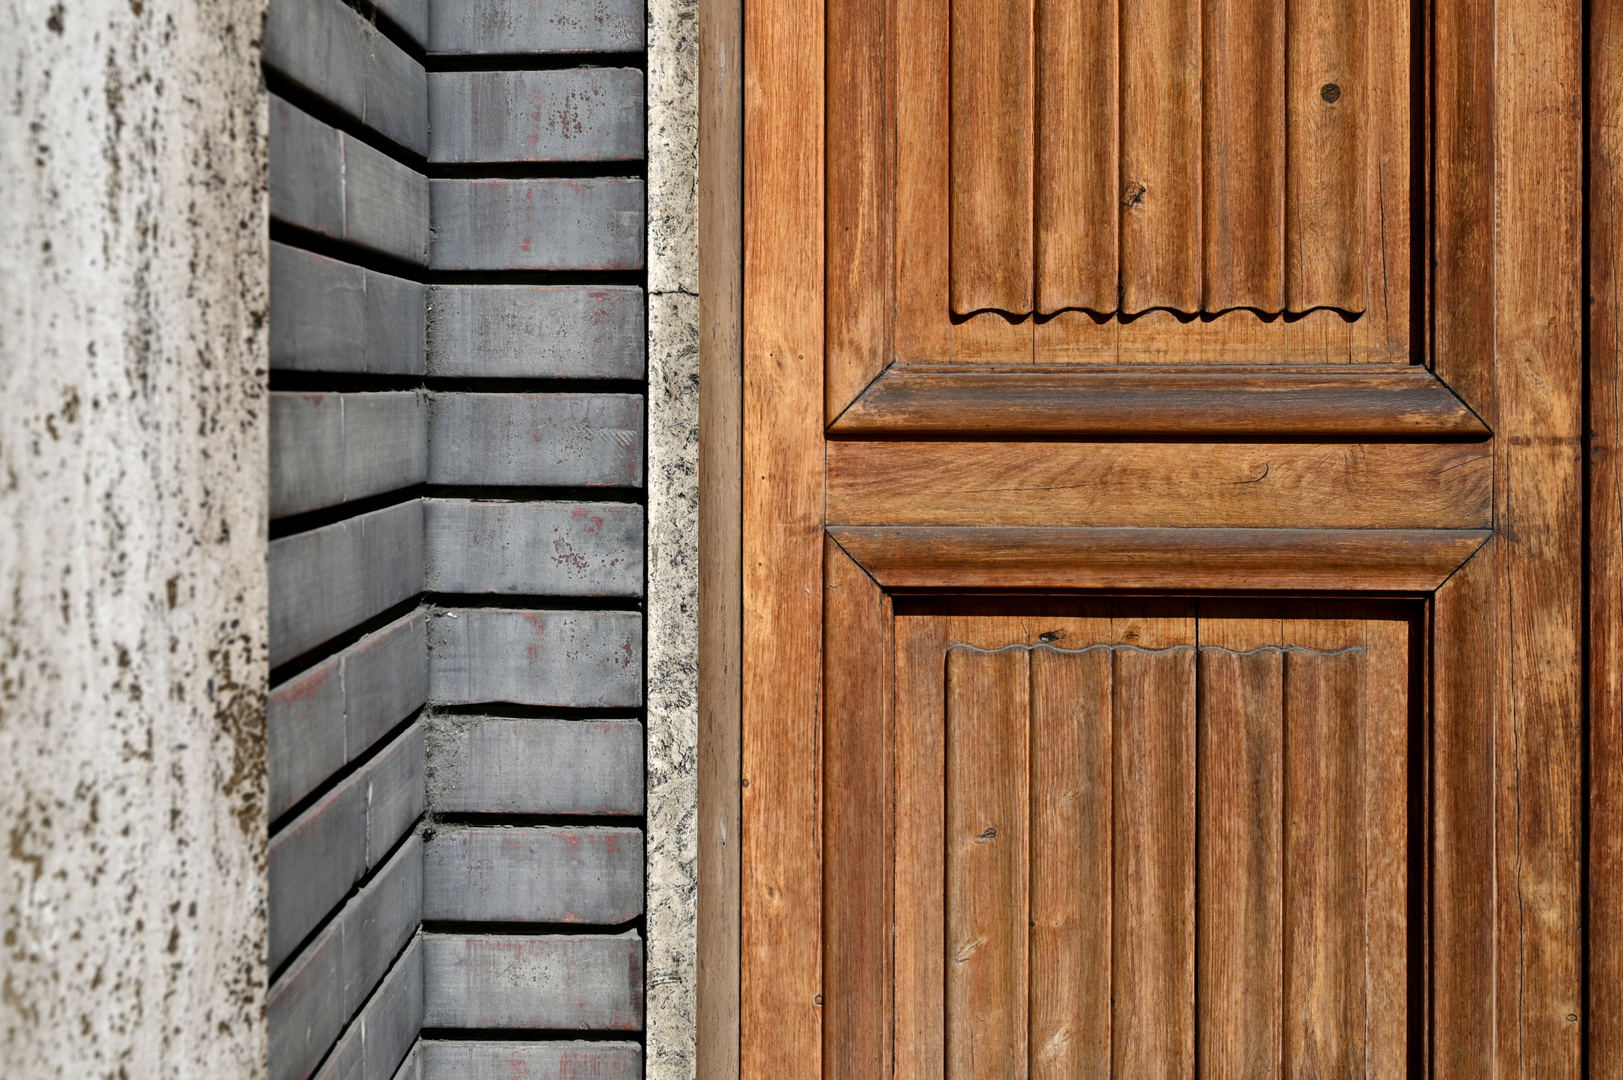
<point>938,400</point>
<point>1326,178</point>
<point>857,849</point>
<point>1242,880</point>
<point>858,224</point>
<point>1604,1007</point>
<point>1200,485</point>
<point>1324,887</point>
<point>1462,264</point>
<point>988,862</point>
<point>1075,210</point>
<point>940,557</point>
<point>1160,185</point>
<point>993,153</point>
<point>1462,843</point>
<point>1244,156</point>
<point>720,616</point>
<point>1153,871</point>
<point>1069,997</point>
<point>780,1022</point>
<point>1539,308</point>
<point>920,882</point>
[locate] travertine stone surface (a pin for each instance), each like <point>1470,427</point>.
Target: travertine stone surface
<point>673,557</point>
<point>132,539</point>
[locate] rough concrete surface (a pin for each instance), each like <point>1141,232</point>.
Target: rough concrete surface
<point>673,531</point>
<point>132,538</point>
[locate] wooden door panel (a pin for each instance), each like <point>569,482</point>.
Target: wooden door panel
<point>1060,809</point>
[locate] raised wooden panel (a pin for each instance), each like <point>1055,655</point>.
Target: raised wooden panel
<point>1074,775</point>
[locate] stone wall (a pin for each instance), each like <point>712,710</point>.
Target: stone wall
<point>132,538</point>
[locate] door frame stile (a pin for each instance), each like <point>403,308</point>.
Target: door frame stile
<point>780,1011</point>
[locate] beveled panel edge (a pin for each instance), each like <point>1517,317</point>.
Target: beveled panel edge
<point>1392,402</point>
<point>949,558</point>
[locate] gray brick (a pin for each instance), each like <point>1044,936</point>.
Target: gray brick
<point>410,15</point>
<point>327,449</point>
<point>321,46</point>
<point>534,548</point>
<point>559,983</point>
<point>327,315</point>
<point>324,581</point>
<point>304,732</point>
<point>458,27</point>
<point>537,331</point>
<point>396,325</point>
<point>546,440</point>
<point>394,793</point>
<point>532,1060</point>
<point>559,658</point>
<point>488,765</point>
<point>306,170</point>
<point>379,921</point>
<point>305,1008</point>
<point>386,204</point>
<point>385,680</point>
<point>314,862</point>
<point>544,875</point>
<point>592,224</point>
<point>575,114</point>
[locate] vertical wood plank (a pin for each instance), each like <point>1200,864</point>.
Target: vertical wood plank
<point>987,833</point>
<point>860,197</point>
<point>923,178</point>
<point>1241,873</point>
<point>780,1025</point>
<point>1391,240</point>
<point>1324,864</point>
<point>1538,371</point>
<point>1462,255</point>
<point>992,155</point>
<point>1070,864</point>
<point>1326,103</point>
<point>1462,841</point>
<point>1605,915</point>
<point>1386,775</point>
<point>1075,205</point>
<point>857,826</point>
<point>1153,863</point>
<point>1244,169</point>
<point>921,644</point>
<point>1160,185</point>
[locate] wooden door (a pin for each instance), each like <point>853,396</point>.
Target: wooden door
<point>1163,508</point>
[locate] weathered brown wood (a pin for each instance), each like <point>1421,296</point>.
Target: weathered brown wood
<point>1462,843</point>
<point>1160,185</point>
<point>987,867</point>
<point>929,399</point>
<point>1324,1026</point>
<point>1604,917</point>
<point>1069,1004</point>
<point>1240,913</point>
<point>721,616</point>
<point>1387,773</point>
<point>939,557</point>
<point>1326,95</point>
<point>1077,174</point>
<point>780,1026</point>
<point>858,228</point>
<point>1462,255</point>
<point>857,853</point>
<point>1244,130</point>
<point>1192,485</point>
<point>1538,384</point>
<point>921,649</point>
<point>993,106</point>
<point>1153,857</point>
